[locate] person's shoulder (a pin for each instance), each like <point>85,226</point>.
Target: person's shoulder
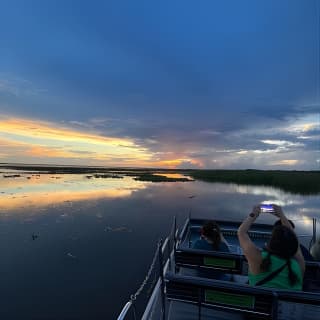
<point>223,247</point>
<point>201,244</point>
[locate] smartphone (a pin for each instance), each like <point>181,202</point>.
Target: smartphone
<point>266,208</point>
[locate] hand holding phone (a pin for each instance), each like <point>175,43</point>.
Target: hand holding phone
<point>277,211</point>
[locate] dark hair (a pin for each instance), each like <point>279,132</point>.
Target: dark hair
<point>284,244</point>
<point>211,230</point>
<point>279,223</point>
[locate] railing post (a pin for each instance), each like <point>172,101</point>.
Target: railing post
<point>163,310</point>
<point>174,235</point>
<point>134,311</point>
<point>172,242</point>
<point>314,225</point>
<point>199,303</point>
<point>169,253</point>
<point>124,311</point>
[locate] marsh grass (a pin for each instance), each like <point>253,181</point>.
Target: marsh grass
<point>297,182</point>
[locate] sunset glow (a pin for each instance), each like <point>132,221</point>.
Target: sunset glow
<point>30,140</point>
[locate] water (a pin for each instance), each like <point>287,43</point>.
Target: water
<point>76,248</point>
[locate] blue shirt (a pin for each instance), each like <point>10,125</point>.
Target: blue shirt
<point>203,244</point>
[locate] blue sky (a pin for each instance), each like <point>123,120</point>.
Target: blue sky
<point>187,84</point>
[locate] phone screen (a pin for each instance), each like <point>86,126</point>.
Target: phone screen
<point>266,208</point>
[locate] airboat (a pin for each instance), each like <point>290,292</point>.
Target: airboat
<point>186,290</point>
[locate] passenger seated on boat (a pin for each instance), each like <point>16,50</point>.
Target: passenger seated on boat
<point>211,238</point>
<point>305,252</point>
<point>315,250</point>
<point>281,264</point>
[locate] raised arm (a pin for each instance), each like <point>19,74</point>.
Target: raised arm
<point>284,221</point>
<point>250,250</point>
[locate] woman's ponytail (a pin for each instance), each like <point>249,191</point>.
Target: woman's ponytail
<point>215,238</point>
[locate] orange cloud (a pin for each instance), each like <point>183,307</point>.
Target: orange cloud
<point>46,140</point>
<point>31,141</point>
<point>39,151</point>
<point>47,130</point>
<point>288,162</point>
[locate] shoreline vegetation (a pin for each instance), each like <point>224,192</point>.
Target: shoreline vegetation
<point>298,182</point>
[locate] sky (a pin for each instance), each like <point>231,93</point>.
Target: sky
<point>174,84</point>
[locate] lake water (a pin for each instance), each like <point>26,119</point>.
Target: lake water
<point>77,248</point>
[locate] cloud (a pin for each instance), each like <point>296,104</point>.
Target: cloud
<point>286,162</point>
<point>17,86</point>
<point>36,139</point>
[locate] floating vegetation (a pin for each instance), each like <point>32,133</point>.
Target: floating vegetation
<point>159,178</point>
<point>117,229</point>
<point>34,236</point>
<point>11,175</point>
<point>107,175</point>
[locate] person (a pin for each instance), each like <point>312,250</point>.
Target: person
<point>211,238</point>
<point>305,252</point>
<point>281,263</point>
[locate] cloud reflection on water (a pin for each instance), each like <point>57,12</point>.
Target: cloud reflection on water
<point>47,189</point>
<point>30,192</point>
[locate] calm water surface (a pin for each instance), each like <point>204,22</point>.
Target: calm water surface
<point>76,248</point>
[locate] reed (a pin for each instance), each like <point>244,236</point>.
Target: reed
<point>299,182</point>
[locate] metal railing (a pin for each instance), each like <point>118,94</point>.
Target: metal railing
<point>162,257</point>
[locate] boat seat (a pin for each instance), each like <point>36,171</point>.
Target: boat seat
<point>298,305</point>
<point>251,302</point>
<point>225,262</point>
<point>311,280</point>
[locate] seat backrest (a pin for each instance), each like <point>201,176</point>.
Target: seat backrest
<point>214,260</point>
<point>298,305</point>
<point>258,302</point>
<point>311,281</point>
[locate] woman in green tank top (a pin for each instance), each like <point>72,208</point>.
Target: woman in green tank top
<point>281,264</point>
